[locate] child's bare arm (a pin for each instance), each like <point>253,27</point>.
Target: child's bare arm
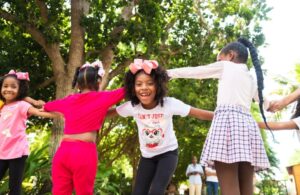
<point>112,112</point>
<point>280,104</point>
<point>37,103</point>
<point>201,114</point>
<point>37,112</point>
<point>287,125</point>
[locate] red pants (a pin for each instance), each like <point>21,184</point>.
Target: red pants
<point>74,167</point>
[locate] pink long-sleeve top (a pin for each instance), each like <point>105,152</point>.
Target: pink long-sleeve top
<point>85,112</point>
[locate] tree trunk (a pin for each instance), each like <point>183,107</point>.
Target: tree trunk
<point>64,73</point>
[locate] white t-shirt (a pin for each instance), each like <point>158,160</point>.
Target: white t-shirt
<point>212,178</point>
<point>155,126</point>
<point>236,84</point>
<point>297,121</point>
<point>194,179</point>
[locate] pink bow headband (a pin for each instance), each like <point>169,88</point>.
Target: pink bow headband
<point>19,75</point>
<point>95,64</point>
<point>140,64</point>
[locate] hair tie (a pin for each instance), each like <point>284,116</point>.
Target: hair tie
<point>96,64</point>
<point>140,64</point>
<point>19,75</point>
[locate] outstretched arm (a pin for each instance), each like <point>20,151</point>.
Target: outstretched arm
<point>280,104</point>
<point>287,125</point>
<point>201,114</point>
<point>37,103</point>
<point>34,111</point>
<point>112,112</point>
<point>199,72</point>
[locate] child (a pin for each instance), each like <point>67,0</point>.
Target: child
<point>14,147</point>
<point>75,162</point>
<point>145,86</point>
<point>234,142</point>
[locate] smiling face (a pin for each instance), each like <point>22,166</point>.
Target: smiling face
<point>10,89</point>
<point>145,90</point>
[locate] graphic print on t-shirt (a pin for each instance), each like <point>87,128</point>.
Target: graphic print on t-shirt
<point>152,133</point>
<point>6,132</point>
<point>153,136</point>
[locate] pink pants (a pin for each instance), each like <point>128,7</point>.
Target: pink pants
<point>74,167</point>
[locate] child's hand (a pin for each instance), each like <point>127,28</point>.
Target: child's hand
<point>275,106</point>
<point>39,103</point>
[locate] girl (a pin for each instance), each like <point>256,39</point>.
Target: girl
<point>75,162</point>
<point>145,86</point>
<point>14,147</point>
<point>234,142</point>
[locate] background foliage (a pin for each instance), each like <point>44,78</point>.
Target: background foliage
<point>50,38</point>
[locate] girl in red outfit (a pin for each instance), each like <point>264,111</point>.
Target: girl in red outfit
<point>75,162</point>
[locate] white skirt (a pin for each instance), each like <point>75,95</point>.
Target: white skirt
<point>233,137</point>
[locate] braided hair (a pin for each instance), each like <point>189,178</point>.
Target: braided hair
<point>259,75</point>
<point>86,78</point>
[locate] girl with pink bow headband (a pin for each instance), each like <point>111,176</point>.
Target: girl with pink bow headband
<point>14,146</point>
<point>146,90</point>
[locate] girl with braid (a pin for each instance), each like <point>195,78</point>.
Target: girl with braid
<point>234,142</point>
<point>75,161</point>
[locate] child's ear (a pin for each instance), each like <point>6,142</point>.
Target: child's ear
<point>232,55</point>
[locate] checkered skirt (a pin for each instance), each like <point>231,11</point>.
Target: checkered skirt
<point>234,137</point>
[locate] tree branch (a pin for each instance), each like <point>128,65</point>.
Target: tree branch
<point>46,83</point>
<point>7,16</point>
<point>119,69</point>
<point>202,21</point>
<point>78,9</point>
<point>35,33</point>
<point>43,9</point>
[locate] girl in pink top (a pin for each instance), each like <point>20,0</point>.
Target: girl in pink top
<point>75,162</point>
<point>14,147</point>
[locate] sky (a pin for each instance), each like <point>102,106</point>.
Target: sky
<point>281,55</point>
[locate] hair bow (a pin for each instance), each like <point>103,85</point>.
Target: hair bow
<point>96,64</point>
<point>20,75</point>
<point>140,64</point>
